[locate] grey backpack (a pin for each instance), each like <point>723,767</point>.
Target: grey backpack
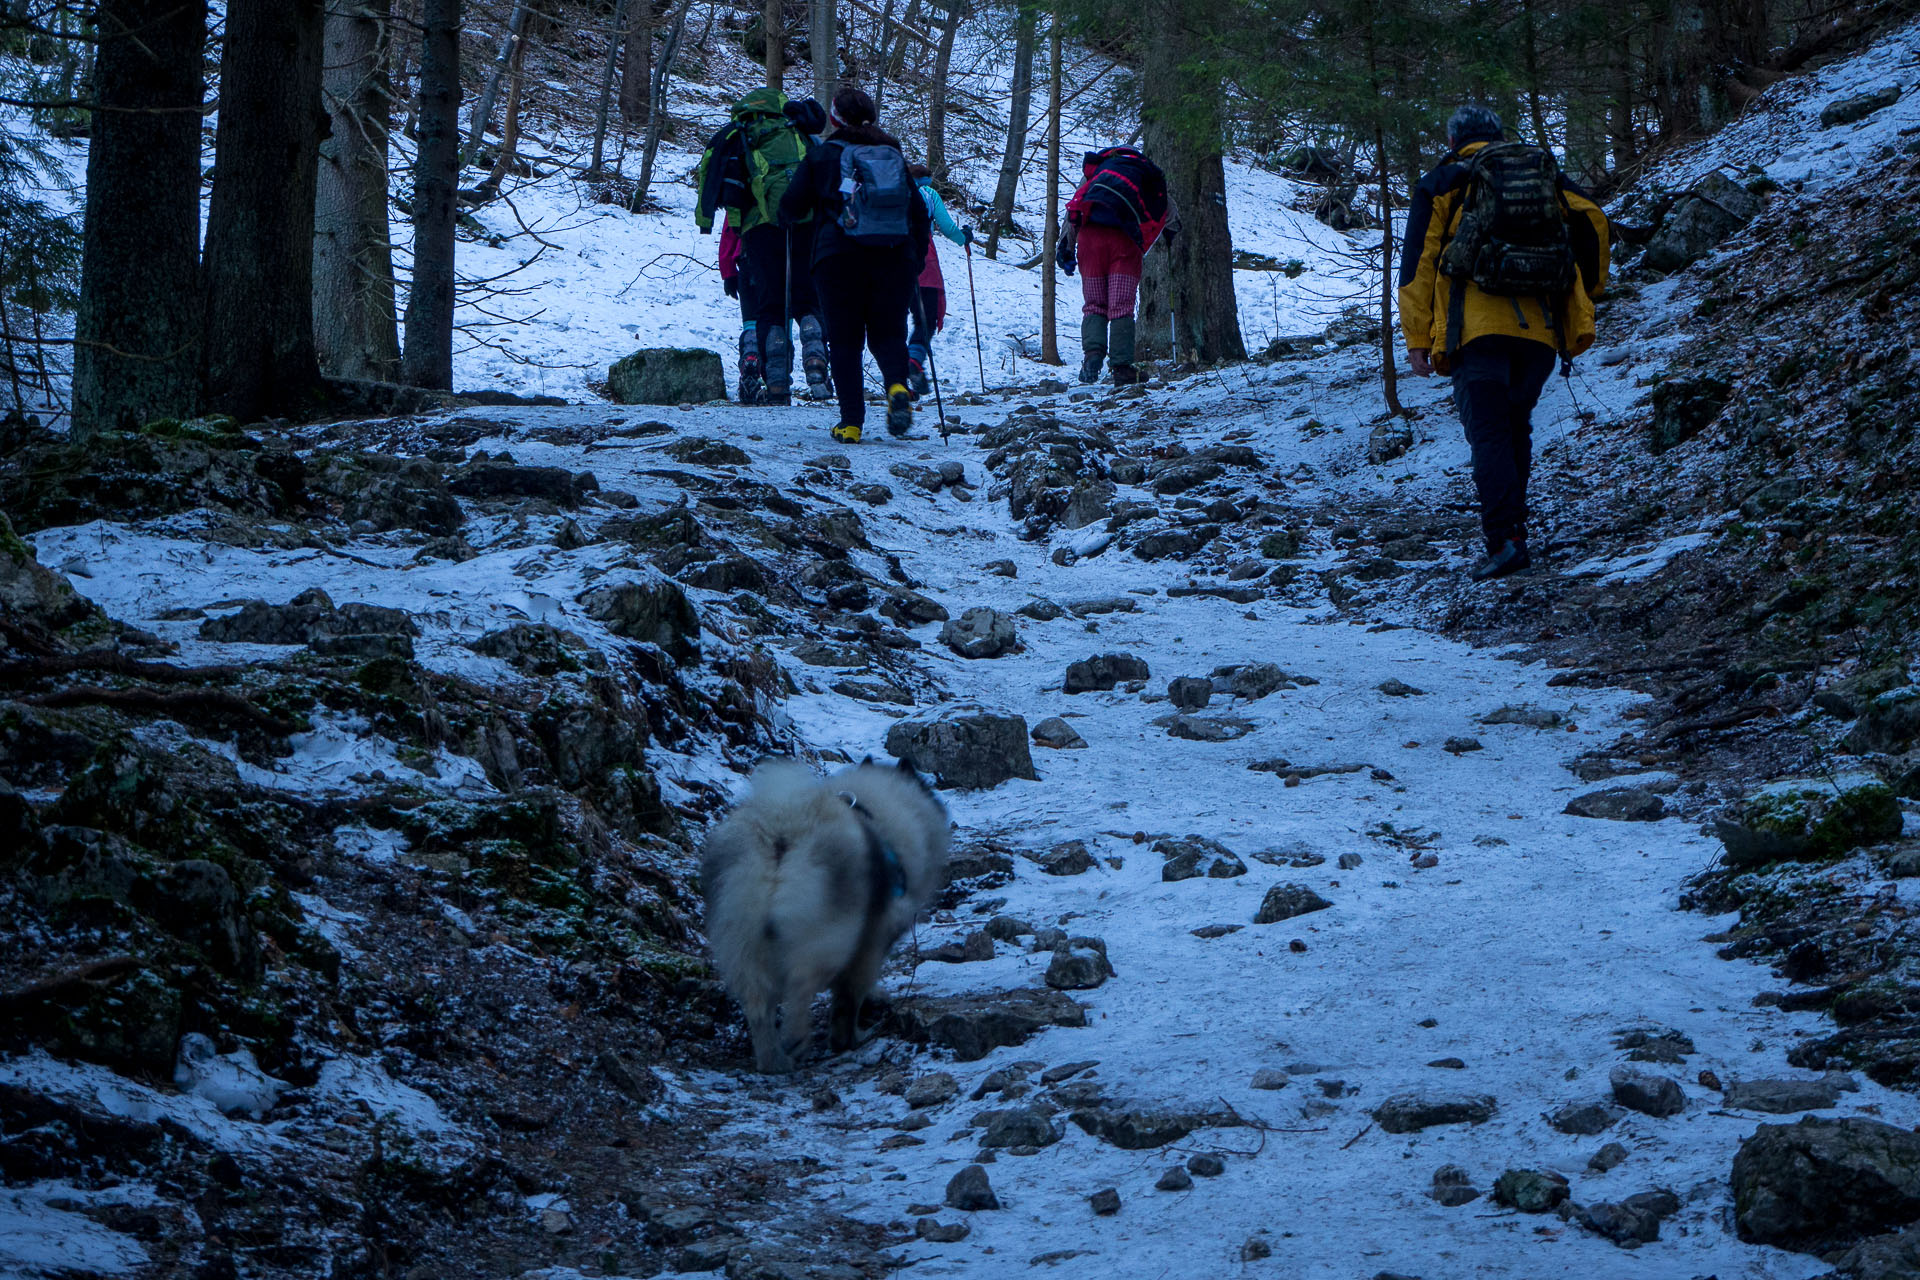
<point>874,191</point>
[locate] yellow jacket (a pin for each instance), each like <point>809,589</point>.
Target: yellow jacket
<point>1425,293</point>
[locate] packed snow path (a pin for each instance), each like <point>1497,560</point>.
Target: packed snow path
<point>1524,952</point>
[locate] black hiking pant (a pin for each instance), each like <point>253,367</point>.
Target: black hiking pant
<point>865,292</point>
<point>1496,382</point>
<point>766,266</point>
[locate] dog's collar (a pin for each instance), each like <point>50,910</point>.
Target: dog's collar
<point>896,870</point>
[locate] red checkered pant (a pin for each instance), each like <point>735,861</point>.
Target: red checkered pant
<point>1109,271</point>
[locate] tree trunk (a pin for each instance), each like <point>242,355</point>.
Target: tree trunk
<point>823,42</point>
<point>1531,52</point>
<point>773,24</point>
<point>937,106</point>
<point>428,358</point>
<point>483,110</point>
<point>636,72</point>
<point>1183,134</point>
<point>1625,149</point>
<point>657,109</point>
<point>510,126</point>
<point>258,264</point>
<point>605,103</point>
<point>136,352</point>
<point>1001,217</point>
<point>1389,371</point>
<point>1049,283</point>
<point>353,318</point>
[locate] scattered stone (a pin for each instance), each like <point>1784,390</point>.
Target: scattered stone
<point>1105,1202</point>
<point>1529,1190</point>
<point>1252,681</point>
<point>1412,1112</point>
<point>910,608</point>
<point>931,1090</point>
<point>1067,1071</point>
<point>1255,1249</point>
<point>1079,967</point>
<point>699,451</point>
<point>1809,819</point>
<point>1685,406</point>
<point>1103,672</point>
<point>1649,1094</point>
<point>1206,728</point>
<point>1529,716</point>
<point>965,745</point>
<point>1103,605</point>
<point>1348,861</point>
<point>972,949</point>
<point>1058,734</point>
<point>1608,1158</point>
<point>655,612</point>
<point>1002,568</point>
<point>1041,610</point>
<point>1209,932</point>
<point>1453,1186</point>
<point>1818,1183</point>
<point>980,633</point>
<point>1655,1044</point>
<point>1175,542</point>
<point>1782,1097</point>
<point>874,691</point>
<point>1271,1078</point>
<point>1206,1166</point>
<point>1174,1179</point>
<point>308,617</point>
<point>1461,745</point>
<point>934,1231</point>
<point>1584,1119</point>
<point>1143,1128</point>
<point>1399,689</point>
<point>1190,693</point>
<point>1700,221</point>
<point>1618,804</point>
<point>1885,1257</point>
<point>969,1190</point>
<point>1019,1127</point>
<point>1285,901</point>
<point>1448,1064</point>
<point>667,375</point>
<point>1388,441</point>
<point>1890,722</point>
<point>1007,928</point>
<point>1858,107</point>
<point>1068,858</point>
<point>973,1026</point>
<point>1196,857</point>
<point>1631,1222</point>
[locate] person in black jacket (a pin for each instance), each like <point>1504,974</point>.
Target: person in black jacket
<point>865,284</point>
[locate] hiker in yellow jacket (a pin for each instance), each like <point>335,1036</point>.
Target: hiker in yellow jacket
<point>1526,250</point>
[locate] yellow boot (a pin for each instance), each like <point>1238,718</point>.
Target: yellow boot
<point>899,410</point>
<point>847,433</point>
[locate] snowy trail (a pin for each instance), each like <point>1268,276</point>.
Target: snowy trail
<point>1535,939</point>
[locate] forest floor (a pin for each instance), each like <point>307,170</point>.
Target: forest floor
<point>467,833</point>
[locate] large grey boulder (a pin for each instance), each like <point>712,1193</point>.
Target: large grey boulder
<point>31,593</point>
<point>980,633</point>
<point>974,1026</point>
<point>1647,1092</point>
<point>1709,213</point>
<point>1412,1112</point>
<point>1785,1097</point>
<point>1858,107</point>
<point>1820,1183</point>
<point>966,746</point>
<point>1618,804</point>
<point>667,375</point>
<point>1890,722</point>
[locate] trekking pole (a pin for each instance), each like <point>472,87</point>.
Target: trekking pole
<point>917,303</point>
<point>974,299</point>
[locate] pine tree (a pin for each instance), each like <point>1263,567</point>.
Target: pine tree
<point>427,360</point>
<point>353,296</point>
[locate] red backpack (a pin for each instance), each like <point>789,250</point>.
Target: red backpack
<point>1123,189</point>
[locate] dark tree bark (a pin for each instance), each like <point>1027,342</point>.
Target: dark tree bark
<point>258,264</point>
<point>137,335</point>
<point>1001,218</point>
<point>773,21</point>
<point>509,148</point>
<point>596,168</point>
<point>636,67</point>
<point>353,316</point>
<point>657,109</point>
<point>823,43</point>
<point>937,107</point>
<point>428,358</point>
<point>1183,134</point>
<point>483,110</point>
<point>1050,237</point>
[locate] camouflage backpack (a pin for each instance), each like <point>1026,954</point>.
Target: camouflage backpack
<point>1512,240</point>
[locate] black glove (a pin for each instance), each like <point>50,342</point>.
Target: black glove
<point>1064,257</point>
<point>732,286</point>
<point>966,236</point>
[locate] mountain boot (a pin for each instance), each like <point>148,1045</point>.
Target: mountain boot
<point>1121,352</point>
<point>778,367</point>
<point>1509,557</point>
<point>847,433</point>
<point>813,359</point>
<point>1093,345</point>
<point>899,410</point>
<point>916,379</point>
<point>749,368</point>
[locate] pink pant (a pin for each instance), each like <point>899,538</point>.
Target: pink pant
<point>1109,271</point>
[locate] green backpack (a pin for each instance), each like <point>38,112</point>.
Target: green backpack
<point>761,139</point>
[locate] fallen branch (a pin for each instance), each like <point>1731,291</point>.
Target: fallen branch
<point>1356,1137</point>
<point>91,973</point>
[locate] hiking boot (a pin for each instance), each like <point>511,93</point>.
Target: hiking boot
<point>818,387</point>
<point>813,359</point>
<point>749,369</point>
<point>1511,557</point>
<point>916,379</point>
<point>777,396</point>
<point>750,390</point>
<point>1093,343</point>
<point>847,433</point>
<point>1125,375</point>
<point>899,410</point>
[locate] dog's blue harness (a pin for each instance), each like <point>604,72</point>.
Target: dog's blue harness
<point>891,871</point>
